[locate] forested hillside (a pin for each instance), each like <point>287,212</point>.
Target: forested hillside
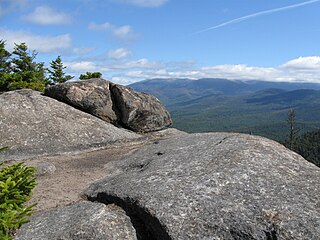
<point>308,146</point>
<point>255,107</point>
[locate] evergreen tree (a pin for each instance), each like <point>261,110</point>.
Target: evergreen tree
<point>25,72</point>
<point>89,75</point>
<point>4,65</point>
<point>4,58</point>
<point>308,146</point>
<point>57,75</point>
<point>293,130</point>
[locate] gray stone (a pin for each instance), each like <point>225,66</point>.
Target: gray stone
<point>32,124</point>
<point>140,111</point>
<point>81,221</point>
<point>92,96</point>
<point>165,133</point>
<point>119,105</point>
<point>45,168</point>
<point>216,186</point>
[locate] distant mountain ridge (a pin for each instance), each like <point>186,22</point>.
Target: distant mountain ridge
<point>175,90</point>
<point>241,106</point>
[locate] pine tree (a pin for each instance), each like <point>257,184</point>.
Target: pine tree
<point>57,75</point>
<point>293,131</point>
<point>26,73</point>
<point>4,58</point>
<point>89,75</point>
<point>4,65</point>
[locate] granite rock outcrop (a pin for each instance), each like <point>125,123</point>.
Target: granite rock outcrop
<point>216,186</point>
<point>119,105</point>
<point>32,125</point>
<point>81,221</point>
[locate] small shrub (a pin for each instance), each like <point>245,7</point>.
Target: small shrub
<point>16,185</point>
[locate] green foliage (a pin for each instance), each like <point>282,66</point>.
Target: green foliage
<point>89,75</point>
<point>16,185</point>
<point>308,146</point>
<point>293,130</point>
<point>19,69</point>
<point>57,75</point>
<point>4,64</point>
<point>4,57</point>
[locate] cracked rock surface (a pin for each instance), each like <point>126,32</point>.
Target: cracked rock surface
<point>216,186</point>
<point>81,221</point>
<point>32,125</point>
<point>119,105</point>
<point>91,96</point>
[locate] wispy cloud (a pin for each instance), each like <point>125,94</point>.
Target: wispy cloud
<point>85,66</point>
<point>144,3</point>
<point>119,53</point>
<point>47,16</point>
<point>125,71</point>
<point>121,32</point>
<point>40,43</point>
<point>257,14</point>
<point>100,27</point>
<point>83,50</point>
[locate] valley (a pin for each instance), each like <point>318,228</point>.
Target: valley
<point>220,105</point>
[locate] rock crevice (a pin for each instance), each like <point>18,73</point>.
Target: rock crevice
<point>147,227</point>
<point>217,186</point>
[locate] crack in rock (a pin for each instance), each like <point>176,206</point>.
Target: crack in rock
<point>146,225</point>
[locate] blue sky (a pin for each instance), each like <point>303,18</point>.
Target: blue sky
<point>133,40</point>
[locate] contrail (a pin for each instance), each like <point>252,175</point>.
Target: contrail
<point>258,14</point>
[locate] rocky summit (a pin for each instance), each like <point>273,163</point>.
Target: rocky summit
<point>168,186</point>
<point>216,186</point>
<point>32,124</point>
<point>119,105</point>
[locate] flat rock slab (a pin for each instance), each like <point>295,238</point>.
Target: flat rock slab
<point>216,186</point>
<point>81,221</point>
<point>32,124</point>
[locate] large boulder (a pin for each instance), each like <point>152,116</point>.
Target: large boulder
<point>32,124</point>
<point>81,221</point>
<point>92,96</point>
<point>113,103</point>
<point>140,111</point>
<point>216,186</point>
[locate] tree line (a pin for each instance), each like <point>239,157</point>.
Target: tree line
<point>307,144</point>
<point>19,70</point>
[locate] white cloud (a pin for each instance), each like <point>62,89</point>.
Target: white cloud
<point>257,14</point>
<point>82,50</point>
<point>297,70</point>
<point>46,16</point>
<point>144,3</point>
<point>119,53</point>
<point>241,72</point>
<point>84,66</point>
<point>122,32</point>
<point>303,63</point>
<point>140,63</point>
<point>127,71</point>
<point>42,44</point>
<point>100,27</point>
